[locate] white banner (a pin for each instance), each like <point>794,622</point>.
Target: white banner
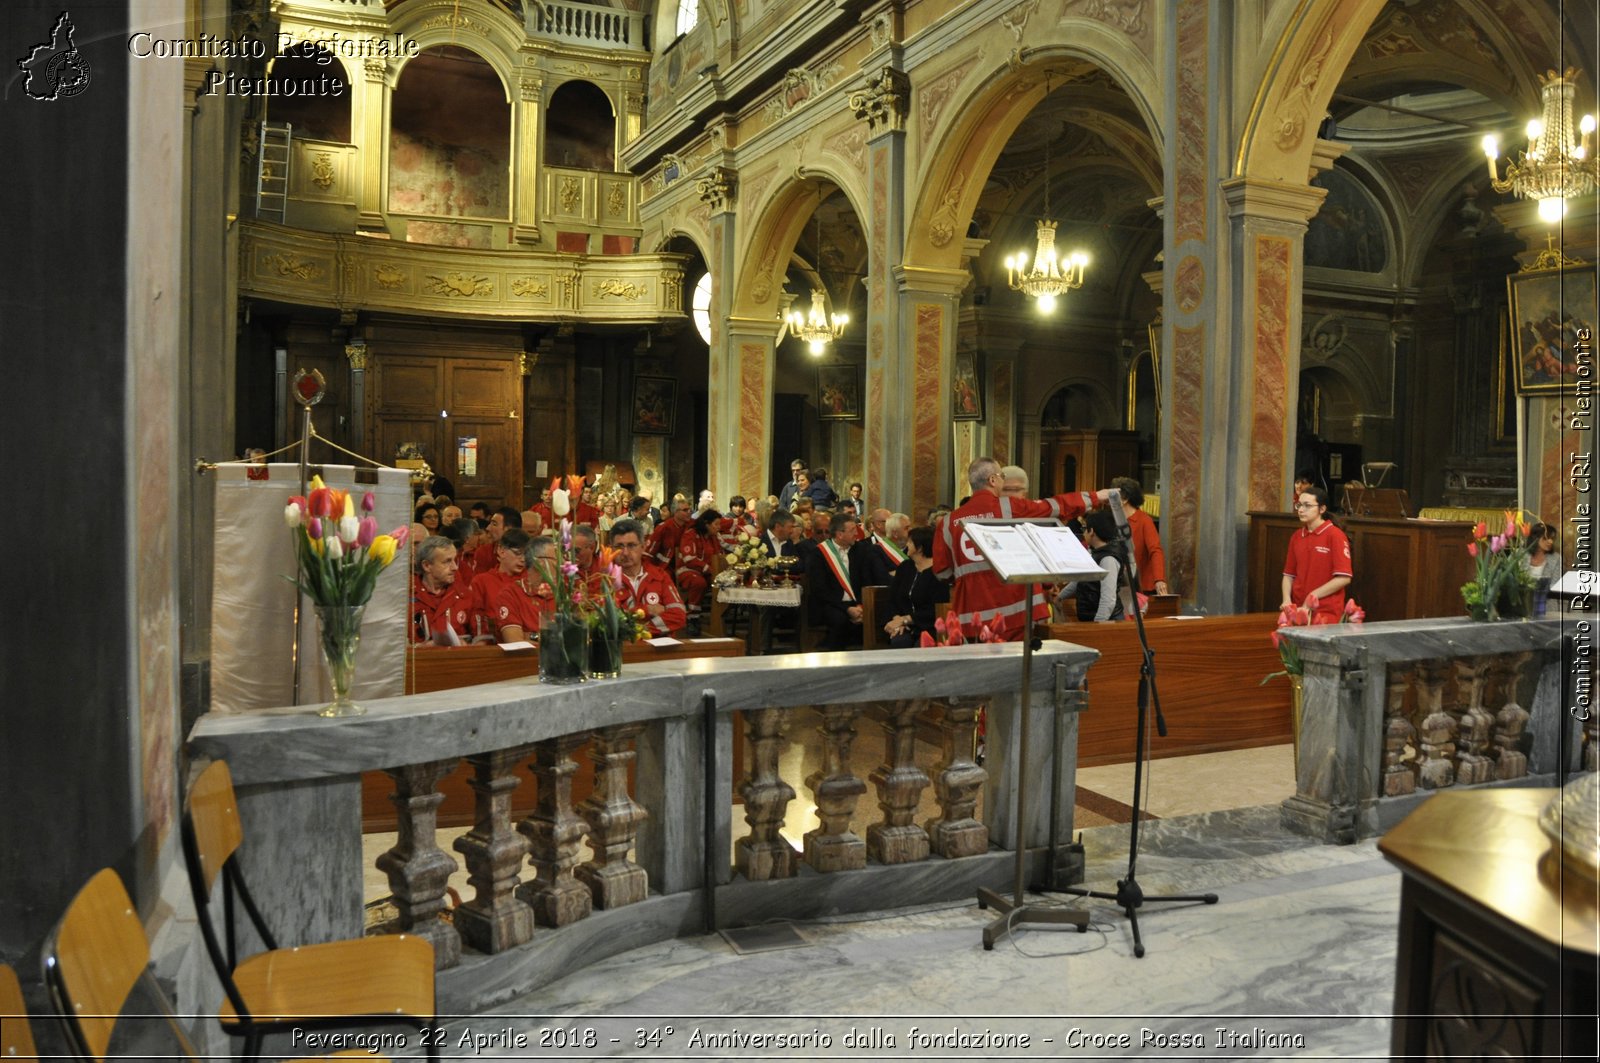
<point>252,602</point>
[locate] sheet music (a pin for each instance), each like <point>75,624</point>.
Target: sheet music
<point>1031,552</point>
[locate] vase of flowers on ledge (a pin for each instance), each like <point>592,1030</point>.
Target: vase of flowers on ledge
<point>1501,586</point>
<point>338,558</point>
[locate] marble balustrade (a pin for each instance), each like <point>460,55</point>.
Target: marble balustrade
<point>572,883</point>
<point>1394,711</point>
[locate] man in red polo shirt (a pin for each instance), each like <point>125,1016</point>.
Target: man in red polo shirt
<point>1319,560</point>
<point>438,599</point>
<point>646,585</point>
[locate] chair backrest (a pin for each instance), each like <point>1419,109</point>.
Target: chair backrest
<point>16,1036</point>
<point>213,816</point>
<point>94,957</point>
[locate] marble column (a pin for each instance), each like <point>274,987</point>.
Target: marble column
<point>737,360</point>
<point>527,140</point>
<point>920,471</point>
<point>882,104</point>
<point>747,402</point>
<point>418,869</point>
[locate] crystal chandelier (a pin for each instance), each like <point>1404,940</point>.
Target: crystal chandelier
<point>817,328</point>
<point>1559,162</point>
<point>1048,278</point>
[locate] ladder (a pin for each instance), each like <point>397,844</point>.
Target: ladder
<point>272,171</point>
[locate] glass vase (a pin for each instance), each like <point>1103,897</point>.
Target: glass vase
<point>339,637</point>
<point>605,652</point>
<point>563,649</point>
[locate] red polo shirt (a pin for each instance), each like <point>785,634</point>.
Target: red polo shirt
<point>1315,557</point>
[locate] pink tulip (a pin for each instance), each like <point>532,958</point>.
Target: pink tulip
<point>368,531</point>
<point>401,534</point>
<point>1480,530</point>
<point>369,502</point>
<point>314,528</point>
<point>1472,549</point>
<point>1277,640</point>
<point>926,640</point>
<point>1497,544</point>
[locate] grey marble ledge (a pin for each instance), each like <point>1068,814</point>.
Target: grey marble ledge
<point>1432,639</point>
<point>289,744</point>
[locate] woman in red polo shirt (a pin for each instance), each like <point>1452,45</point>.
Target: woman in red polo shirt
<point>1319,560</point>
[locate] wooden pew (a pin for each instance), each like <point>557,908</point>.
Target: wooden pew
<point>1208,671</point>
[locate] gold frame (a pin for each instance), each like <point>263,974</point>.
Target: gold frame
<point>1570,291</point>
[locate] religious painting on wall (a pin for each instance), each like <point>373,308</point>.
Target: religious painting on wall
<point>966,388</point>
<point>655,405</point>
<point>1550,309</point>
<point>838,393</point>
<point>1347,231</point>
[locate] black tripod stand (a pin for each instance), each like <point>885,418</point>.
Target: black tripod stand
<point>1129,897</point>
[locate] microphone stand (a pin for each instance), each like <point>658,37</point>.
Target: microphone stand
<point>1129,897</point>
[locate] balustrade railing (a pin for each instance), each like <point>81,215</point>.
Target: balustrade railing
<point>1393,711</point>
<point>600,27</point>
<point>575,881</point>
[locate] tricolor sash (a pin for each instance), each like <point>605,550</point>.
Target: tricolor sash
<point>839,567</point>
<point>892,551</point>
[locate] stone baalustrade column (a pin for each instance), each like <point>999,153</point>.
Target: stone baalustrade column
<point>555,832</point>
<point>495,919</point>
<point>833,846</point>
<point>764,854</point>
<point>896,839</point>
<point>958,779</point>
<point>419,871</point>
<point>1511,720</point>
<point>613,817</point>
<point>1437,731</point>
<point>1473,764</point>
<point>1399,738</point>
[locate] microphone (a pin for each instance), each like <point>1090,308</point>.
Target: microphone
<point>1114,501</point>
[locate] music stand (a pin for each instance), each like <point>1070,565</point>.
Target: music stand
<point>1031,552</point>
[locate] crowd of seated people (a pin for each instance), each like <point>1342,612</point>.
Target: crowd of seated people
<point>488,575</point>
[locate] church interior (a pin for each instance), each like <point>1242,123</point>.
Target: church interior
<point>681,243</point>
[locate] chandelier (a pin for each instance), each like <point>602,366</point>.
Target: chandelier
<point>1559,162</point>
<point>817,328</point>
<point>1047,279</point>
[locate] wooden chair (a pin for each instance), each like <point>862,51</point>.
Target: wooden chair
<point>16,1036</point>
<point>360,982</point>
<point>94,961</point>
<point>874,614</point>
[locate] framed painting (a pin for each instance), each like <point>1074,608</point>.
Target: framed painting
<point>655,405</point>
<point>1552,315</point>
<point>838,392</point>
<point>966,388</point>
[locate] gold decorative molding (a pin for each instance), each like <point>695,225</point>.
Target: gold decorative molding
<point>799,87</point>
<point>358,354</point>
<point>529,287</point>
<point>571,194</point>
<point>460,285</point>
<point>287,265</point>
<point>569,288</point>
<point>322,172</point>
<point>761,290</point>
<point>718,188</point>
<point>619,288</point>
<point>388,275</point>
<point>617,199</point>
<point>526,361</point>
<point>943,227</point>
<point>882,103</point>
<point>1296,105</point>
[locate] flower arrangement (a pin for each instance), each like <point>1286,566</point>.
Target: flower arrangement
<point>1305,615</point>
<point>947,632</point>
<point>339,555</point>
<point>1501,583</point>
<point>749,550</point>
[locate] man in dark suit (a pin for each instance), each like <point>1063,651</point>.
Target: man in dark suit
<point>836,605</point>
<point>873,562</point>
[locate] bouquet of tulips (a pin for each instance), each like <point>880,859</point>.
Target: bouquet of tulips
<point>947,632</point>
<point>339,554</point>
<point>1305,615</point>
<point>1501,582</point>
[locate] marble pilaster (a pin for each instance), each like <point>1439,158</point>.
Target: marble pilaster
<point>921,474</point>
<point>369,124</point>
<point>728,372</point>
<point>527,133</point>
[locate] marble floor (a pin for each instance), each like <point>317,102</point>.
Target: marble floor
<point>1295,961</point>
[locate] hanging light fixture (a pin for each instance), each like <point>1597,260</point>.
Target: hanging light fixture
<point>1559,162</point>
<point>1048,278</point>
<point>816,327</point>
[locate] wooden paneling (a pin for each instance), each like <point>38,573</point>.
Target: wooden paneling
<point>1208,673</point>
<point>1075,460</point>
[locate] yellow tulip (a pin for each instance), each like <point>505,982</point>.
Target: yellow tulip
<point>383,548</point>
<point>349,505</point>
<point>317,484</point>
